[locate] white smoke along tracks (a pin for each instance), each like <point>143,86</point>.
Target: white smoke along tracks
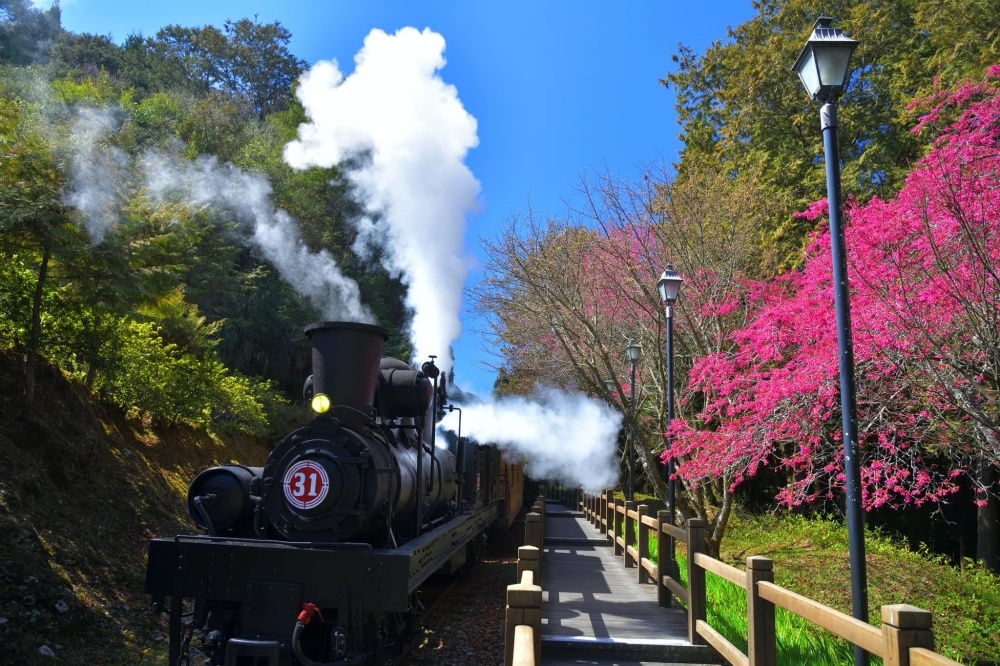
<point>99,172</point>
<point>412,134</point>
<point>560,435</point>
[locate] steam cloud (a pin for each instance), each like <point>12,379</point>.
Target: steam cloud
<point>560,435</point>
<point>99,172</point>
<point>412,133</point>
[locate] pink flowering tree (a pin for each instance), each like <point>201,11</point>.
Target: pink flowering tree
<point>566,297</point>
<point>925,306</point>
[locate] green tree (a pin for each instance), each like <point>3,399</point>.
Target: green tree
<point>26,33</point>
<point>248,60</point>
<point>84,55</point>
<point>34,224</point>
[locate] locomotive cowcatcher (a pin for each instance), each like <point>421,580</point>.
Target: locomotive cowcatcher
<point>316,558</point>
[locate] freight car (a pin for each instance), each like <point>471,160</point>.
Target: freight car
<point>316,558</point>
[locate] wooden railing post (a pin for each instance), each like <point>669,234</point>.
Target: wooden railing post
<point>533,531</point>
<point>527,560</point>
<point>663,563</point>
<point>643,543</point>
<point>540,510</point>
<point>696,580</point>
<point>904,627</point>
<point>609,518</point>
<point>524,607</point>
<point>760,614</point>
<point>629,535</point>
<point>616,526</point>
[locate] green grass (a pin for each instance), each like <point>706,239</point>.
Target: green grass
<point>810,558</point>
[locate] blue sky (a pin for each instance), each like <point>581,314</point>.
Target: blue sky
<point>558,88</point>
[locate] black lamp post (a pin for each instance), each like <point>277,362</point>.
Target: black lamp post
<point>669,285</point>
<point>824,66</point>
<point>632,352</point>
<point>611,386</point>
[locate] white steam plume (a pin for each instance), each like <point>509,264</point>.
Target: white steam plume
<point>412,134</point>
<point>99,172</point>
<point>560,435</point>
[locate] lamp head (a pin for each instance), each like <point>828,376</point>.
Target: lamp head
<point>632,352</point>
<point>610,385</point>
<point>824,64</point>
<point>669,285</point>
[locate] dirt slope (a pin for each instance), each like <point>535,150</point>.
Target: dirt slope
<point>82,489</point>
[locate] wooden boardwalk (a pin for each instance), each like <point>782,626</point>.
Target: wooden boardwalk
<point>594,611</point>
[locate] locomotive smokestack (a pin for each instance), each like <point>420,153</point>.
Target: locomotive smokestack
<point>345,363</point>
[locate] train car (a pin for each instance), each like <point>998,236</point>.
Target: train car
<point>317,557</point>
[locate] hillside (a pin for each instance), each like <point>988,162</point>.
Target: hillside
<point>82,489</point>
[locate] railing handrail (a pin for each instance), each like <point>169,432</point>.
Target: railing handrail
<point>905,637</point>
<point>524,646</point>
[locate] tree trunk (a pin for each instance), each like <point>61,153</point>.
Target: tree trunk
<point>988,519</point>
<point>717,528</point>
<point>35,332</point>
<point>655,472</point>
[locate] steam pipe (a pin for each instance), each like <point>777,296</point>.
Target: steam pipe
<point>419,482</point>
<point>433,372</point>
<point>459,459</point>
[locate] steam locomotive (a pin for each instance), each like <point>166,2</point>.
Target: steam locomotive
<point>316,558</point>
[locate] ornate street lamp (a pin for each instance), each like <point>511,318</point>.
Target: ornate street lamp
<point>669,286</point>
<point>632,352</point>
<point>824,66</point>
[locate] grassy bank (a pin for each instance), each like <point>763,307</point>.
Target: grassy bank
<point>810,558</point>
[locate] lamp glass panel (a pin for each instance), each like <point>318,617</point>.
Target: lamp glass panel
<point>833,62</point>
<point>632,351</point>
<point>669,288</point>
<point>808,72</point>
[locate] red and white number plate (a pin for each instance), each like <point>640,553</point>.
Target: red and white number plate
<point>306,484</point>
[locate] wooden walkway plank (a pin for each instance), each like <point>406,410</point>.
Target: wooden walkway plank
<point>593,609</point>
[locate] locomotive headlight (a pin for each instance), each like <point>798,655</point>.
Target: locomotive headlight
<point>320,403</point>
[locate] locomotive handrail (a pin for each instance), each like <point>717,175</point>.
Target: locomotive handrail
<point>273,543</point>
<point>905,637</point>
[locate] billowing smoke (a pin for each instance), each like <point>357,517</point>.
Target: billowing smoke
<point>100,172</point>
<point>204,182</point>
<point>413,134</point>
<point>560,435</point>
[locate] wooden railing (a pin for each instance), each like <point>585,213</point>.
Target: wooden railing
<point>905,638</point>
<point>523,627</point>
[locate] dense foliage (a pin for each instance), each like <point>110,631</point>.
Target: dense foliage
<point>134,180</point>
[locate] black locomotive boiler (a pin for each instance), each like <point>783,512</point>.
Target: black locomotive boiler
<point>316,558</point>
